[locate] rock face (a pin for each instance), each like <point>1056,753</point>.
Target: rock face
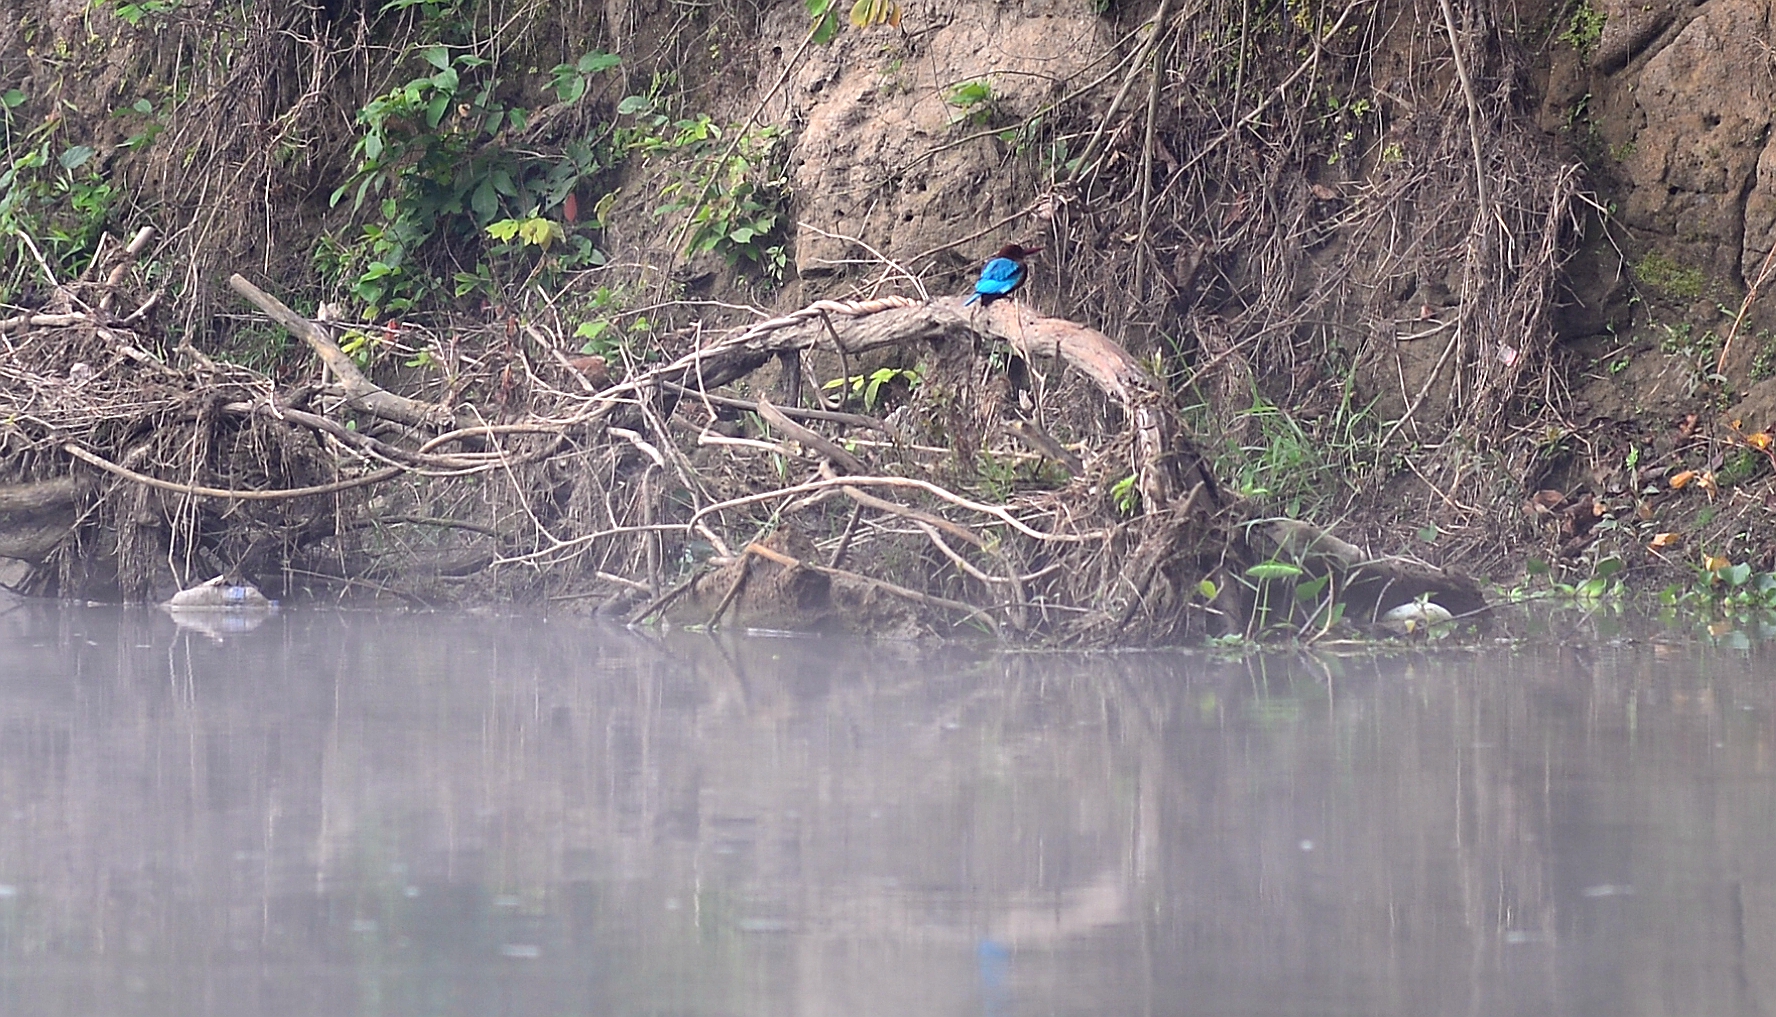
<point>1699,127</point>
<point>1672,111</point>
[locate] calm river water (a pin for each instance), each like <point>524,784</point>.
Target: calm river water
<point>338,814</point>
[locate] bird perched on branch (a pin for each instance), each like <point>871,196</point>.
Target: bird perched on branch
<point>1001,274</point>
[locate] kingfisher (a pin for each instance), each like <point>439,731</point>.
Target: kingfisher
<point>1001,274</point>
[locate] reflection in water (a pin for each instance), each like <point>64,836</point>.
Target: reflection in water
<point>219,623</point>
<point>352,814</point>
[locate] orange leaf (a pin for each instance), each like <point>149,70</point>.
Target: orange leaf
<point>1666,539</point>
<point>1681,480</point>
<point>1760,440</point>
<point>1714,563</point>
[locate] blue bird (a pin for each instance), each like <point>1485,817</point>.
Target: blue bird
<point>1003,273</point>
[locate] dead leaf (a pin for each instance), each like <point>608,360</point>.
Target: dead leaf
<point>1706,483</point>
<point>1681,480</point>
<point>1714,563</point>
<point>1661,541</point>
<point>1322,192</point>
<point>1543,502</point>
<point>1759,441</point>
<point>1688,425</point>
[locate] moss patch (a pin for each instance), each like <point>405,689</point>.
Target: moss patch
<point>1662,273</point>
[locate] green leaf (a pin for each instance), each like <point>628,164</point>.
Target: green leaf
<point>1311,589</point>
<point>76,157</point>
<point>1274,570</point>
<point>1609,567</point>
<point>12,98</point>
<point>1208,589</point>
<point>570,88</point>
<point>485,201</point>
<point>634,104</point>
<point>504,230</point>
<point>825,27</point>
<point>445,80</point>
<point>1428,534</point>
<point>593,62</point>
<point>970,94</point>
<point>466,283</point>
<point>1737,574</point>
<point>436,109</point>
<point>372,147</point>
<point>437,56</point>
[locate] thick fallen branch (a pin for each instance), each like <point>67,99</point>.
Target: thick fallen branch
<point>360,392</point>
<point>1164,456</point>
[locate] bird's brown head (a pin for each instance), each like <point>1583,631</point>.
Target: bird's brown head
<point>1017,252</point>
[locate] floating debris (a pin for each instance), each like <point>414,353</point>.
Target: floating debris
<point>219,593</point>
<point>1411,617</point>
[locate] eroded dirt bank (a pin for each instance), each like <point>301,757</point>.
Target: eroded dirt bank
<point>1478,289</point>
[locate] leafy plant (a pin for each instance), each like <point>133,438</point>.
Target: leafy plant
<point>1298,470</point>
<point>870,386</point>
<point>152,11</point>
<point>1126,496</point>
<point>733,189</point>
<point>601,334</point>
<point>1584,29</point>
<point>55,201</point>
<point>436,161</point>
<point>973,101</point>
<point>147,128</point>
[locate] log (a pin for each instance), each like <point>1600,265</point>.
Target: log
<point>362,393</point>
<point>1164,456</point>
<point>42,496</point>
<point>36,518</point>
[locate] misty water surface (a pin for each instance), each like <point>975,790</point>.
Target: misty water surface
<point>347,814</point>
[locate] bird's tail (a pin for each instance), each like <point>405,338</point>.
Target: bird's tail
<point>971,300</point>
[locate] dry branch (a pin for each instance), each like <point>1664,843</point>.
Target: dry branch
<point>361,392</point>
<point>201,491</point>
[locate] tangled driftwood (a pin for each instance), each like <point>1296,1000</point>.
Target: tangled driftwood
<point>913,546</point>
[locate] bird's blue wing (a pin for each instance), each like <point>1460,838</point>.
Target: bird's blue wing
<point>1001,275</point>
